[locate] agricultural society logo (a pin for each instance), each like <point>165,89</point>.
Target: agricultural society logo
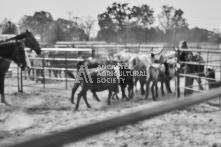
<point>105,74</point>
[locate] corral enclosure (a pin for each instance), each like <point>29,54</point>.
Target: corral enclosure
<point>45,109</point>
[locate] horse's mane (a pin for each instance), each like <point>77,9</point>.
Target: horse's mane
<point>10,44</point>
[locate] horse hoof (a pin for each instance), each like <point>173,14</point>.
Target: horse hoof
<point>72,101</point>
<point>5,103</point>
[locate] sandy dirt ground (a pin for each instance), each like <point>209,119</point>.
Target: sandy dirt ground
<point>37,112</point>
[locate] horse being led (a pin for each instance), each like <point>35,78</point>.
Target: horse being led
<point>14,51</point>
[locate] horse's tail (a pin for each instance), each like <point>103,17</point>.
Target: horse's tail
<point>70,74</point>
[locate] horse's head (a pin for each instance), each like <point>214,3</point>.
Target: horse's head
<point>31,42</point>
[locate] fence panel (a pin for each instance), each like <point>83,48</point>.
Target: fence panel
<point>211,58</point>
<point>48,69</point>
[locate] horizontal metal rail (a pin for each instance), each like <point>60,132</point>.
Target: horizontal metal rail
<point>198,63</point>
<point>50,78</point>
<point>120,46</point>
<point>66,49</point>
<point>208,106</point>
<point>194,76</point>
<point>79,42</point>
<point>85,131</point>
<point>54,68</point>
<point>57,59</point>
<point>201,50</point>
<point>197,90</point>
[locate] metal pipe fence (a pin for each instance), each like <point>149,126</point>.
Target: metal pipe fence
<point>50,72</point>
<point>85,131</point>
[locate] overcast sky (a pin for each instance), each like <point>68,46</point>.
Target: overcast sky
<point>201,13</point>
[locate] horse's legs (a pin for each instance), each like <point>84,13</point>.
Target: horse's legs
<point>2,80</point>
<point>135,83</point>
<point>123,92</point>
<point>85,100</point>
<point>142,82</point>
<point>152,91</point>
<point>95,96</point>
<point>191,85</point>
<point>162,87</point>
<point>55,73</point>
<point>167,84</point>
<point>130,91</point>
<point>42,75</point>
<point>60,73</point>
<point>109,96</point>
<point>80,94</point>
<point>188,84</point>
<point>37,71</point>
<point>33,74</point>
<point>49,73</point>
<point>75,87</point>
<point>25,75</point>
<point>156,90</point>
<point>115,93</point>
<point>29,73</point>
<point>147,87</point>
<point>199,81</point>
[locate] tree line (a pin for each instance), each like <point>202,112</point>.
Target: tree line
<point>120,23</point>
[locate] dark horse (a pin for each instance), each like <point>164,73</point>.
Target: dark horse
<point>91,63</point>
<point>12,49</point>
